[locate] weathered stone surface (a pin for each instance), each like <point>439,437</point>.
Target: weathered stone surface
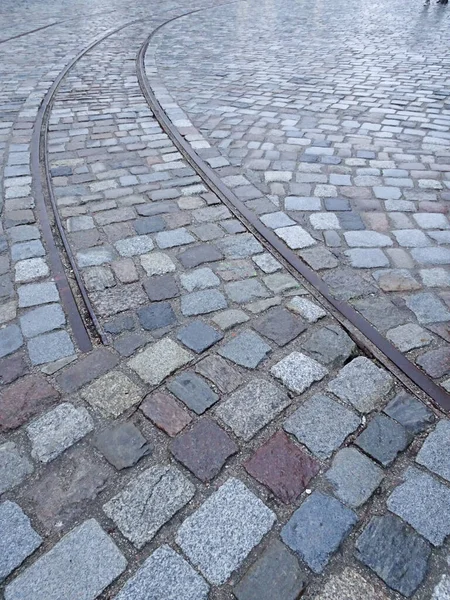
<point>245,291</point>
<point>10,340</point>
<point>435,452</point>
<point>112,394</point>
<point>156,316</point>
<point>349,585</point>
<point>219,535</point>
<point>157,263</point>
<point>57,430</point>
<point>367,239</point>
<point>193,391</point>
<point>235,270</point>
<point>240,246</point>
<point>50,347</point>
<point>174,237</point>
<point>69,570</point>
<point>410,412</point>
<point>159,360</point>
<point>98,278</point>
<point>316,529</point>
<point>295,237</point>
<point>283,467</point>
<point>282,282</point>
<point>165,412</point>
<point>161,287</point>
<point>217,370</point>
<point>330,345</point>
<point>17,540</point>
<point>200,279</point>
<point>198,336</point>
<point>203,253</point>
<point>276,574</point>
<point>134,246</point>
<point>94,256</point>
<point>298,372</point>
<point>306,309</point>
<point>362,384</point>
<point>279,325</point>
<point>165,576</point>
<point>382,313</point>
<point>345,284</point>
<point>383,439</point>
<point>396,554</point>
<point>122,445</point>
<point>149,225</point>
<point>436,363</point>
<point>428,308</point>
<point>229,318</point>
<point>396,280</point>
<point>322,424</point>
<point>30,269</point>
<point>409,336</point>
<point>149,501</point>
<point>249,409</point>
<point>99,362</point>
<point>12,368</point>
<point>14,467</point>
<point>267,263</point>
<point>24,399</point>
<point>247,349</point>
<point>42,319</point>
<point>204,449</point>
<point>119,299</point>
<point>442,590</point>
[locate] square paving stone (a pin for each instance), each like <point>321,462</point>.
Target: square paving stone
<point>149,225</point>
<point>134,246</point>
<point>165,412</point>
<point>174,237</point>
<point>424,503</point>
<point>382,313</point>
<point>50,347</point>
<point>156,316</point>
<point>240,245</point>
<point>198,336</point>
<point>276,574</point>
<point>349,585</point>
<point>165,576</point>
<point>298,372</point>
<point>157,263</point>
<point>14,467</point>
<point>322,424</point>
<point>12,368</point>
<point>229,318</point>
<point>57,430</point>
<point>245,291</point>
<point>95,364</point>
<point>42,319</point>
<point>246,349</point>
<point>193,391</point>
<point>148,502</point>
<point>10,340</point>
<point>162,287</point>
<point>409,336</point>
<point>279,325</point>
<point>316,529</point>
<point>306,309</point>
<point>122,445</point>
<point>218,371</point>
<point>428,308</point>
<point>410,412</point>
<point>396,553</point>
<point>203,253</point>
<point>436,363</point>
<point>354,477</point>
<point>79,567</point>
<point>383,439</point>
<point>362,384</point>
<point>203,302</point>
<point>219,535</point>
<point>252,407</point>
<point>200,279</point>
<point>17,538</point>
<point>330,345</point>
<point>159,360</point>
<point>204,449</point>
<point>435,452</point>
<point>283,467</point>
<point>112,394</point>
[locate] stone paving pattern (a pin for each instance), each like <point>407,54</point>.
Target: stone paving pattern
<point>231,441</point>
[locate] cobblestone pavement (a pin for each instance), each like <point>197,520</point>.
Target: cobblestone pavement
<point>231,440</point>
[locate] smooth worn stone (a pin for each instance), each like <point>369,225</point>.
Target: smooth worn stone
<point>246,349</point>
<point>8,311</point>
<point>69,570</point>
<point>199,336</point>
<point>367,258</point>
<point>277,219</point>
<point>383,439</point>
<point>23,399</point>
<point>193,391</point>
<point>165,576</point>
<point>124,270</point>
<point>322,425</point>
<point>241,245</point>
<point>98,278</point>
<point>94,257</point>
<point>51,368</point>
<point>349,585</point>
<point>319,258</point>
<point>17,538</point>
<point>149,225</point>
<point>267,263</point>
<point>148,502</point>
<point>295,237</point>
<point>396,280</point>
<point>204,449</point>
<point>50,347</point>
<point>33,294</point>
<point>112,394</point>
<point>99,362</point>
<point>203,253</point>
<point>30,269</point>
<point>396,553</point>
<point>409,336</point>
<point>6,286</point>
<point>202,302</point>
<point>245,291</point>
<point>435,363</point>
<point>220,534</point>
<point>275,574</point>
<point>157,263</point>
<point>305,308</point>
<point>200,279</point>
<point>367,239</point>
<point>283,467</point>
<point>435,452</point>
<point>161,287</point>
<point>263,305</point>
<point>165,412</point>
<point>410,412</point>
<point>57,430</point>
<point>156,316</point>
<point>174,237</point>
<point>244,415</point>
<point>42,319</point>
<point>330,345</point>
<point>119,324</point>
<point>279,325</point>
<point>442,590</point>
<point>382,313</point>
<point>29,249</point>
<point>229,318</point>
<point>431,256</point>
<point>323,515</point>
<point>122,445</point>
<point>80,223</point>
<point>220,373</point>
<point>14,467</point>
<point>362,384</point>
<point>12,368</point>
<point>345,284</point>
<point>354,477</point>
<point>10,340</point>
<point>424,503</point>
<point>159,360</point>
<point>235,270</point>
<point>428,308</point>
<point>298,372</point>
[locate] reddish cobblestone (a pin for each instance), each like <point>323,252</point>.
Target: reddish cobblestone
<point>166,413</point>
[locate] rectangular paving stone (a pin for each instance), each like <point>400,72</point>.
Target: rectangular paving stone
<point>50,347</point>
<point>14,466</point>
<point>157,316</point>
<point>122,445</point>
<point>79,567</point>
<point>10,340</point>
<point>157,263</point>
<point>203,253</point>
<point>436,363</point>
<point>17,538</point>
<point>396,553</point>
<point>165,576</point>
<point>306,309</point>
<point>435,452</point>
<point>295,237</point>
<point>316,529</point>
<point>165,412</point>
<point>148,502</point>
<point>382,313</point>
<point>42,319</point>
<point>97,363</point>
<point>424,503</point>
<point>279,325</point>
<point>383,439</point>
<point>244,415</point>
<point>409,336</point>
<point>57,430</point>
<point>229,318</point>
<point>442,590</point>
<point>112,394</point>
<point>410,412</point>
<point>241,245</point>
<point>161,287</point>
<point>220,534</point>
<point>298,372</point>
<point>427,307</point>
<point>199,336</point>
<point>159,360</point>
<point>322,425</point>
<point>330,345</point>
<point>220,373</point>
<point>202,302</point>
<point>246,349</point>
<point>200,279</point>
<point>134,246</point>
<point>349,585</point>
<point>276,574</point>
<point>193,391</point>
<point>173,238</point>
<point>245,291</point>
